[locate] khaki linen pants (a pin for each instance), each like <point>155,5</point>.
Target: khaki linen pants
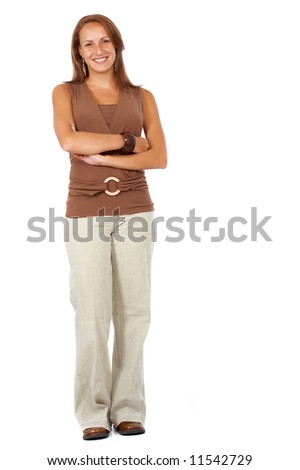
<point>110,278</point>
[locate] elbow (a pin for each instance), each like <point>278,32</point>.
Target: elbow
<point>66,144</point>
<point>66,137</point>
<point>163,161</point>
<point>159,158</point>
<point>164,164</point>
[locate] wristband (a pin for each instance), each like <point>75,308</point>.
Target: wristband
<point>129,142</point>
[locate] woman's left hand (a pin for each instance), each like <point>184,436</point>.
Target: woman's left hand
<point>90,159</point>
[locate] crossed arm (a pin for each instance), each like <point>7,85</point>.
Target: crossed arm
<point>150,152</point>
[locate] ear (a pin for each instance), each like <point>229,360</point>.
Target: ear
<point>80,51</point>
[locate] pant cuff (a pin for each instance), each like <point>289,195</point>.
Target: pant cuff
<point>128,417</point>
<point>96,424</point>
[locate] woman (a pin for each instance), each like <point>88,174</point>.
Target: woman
<point>98,118</point>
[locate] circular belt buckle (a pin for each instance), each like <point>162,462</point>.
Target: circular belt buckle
<point>110,193</point>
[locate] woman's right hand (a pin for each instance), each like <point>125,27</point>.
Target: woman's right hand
<point>141,145</point>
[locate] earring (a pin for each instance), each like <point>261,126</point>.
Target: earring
<point>115,65</point>
<point>83,67</point>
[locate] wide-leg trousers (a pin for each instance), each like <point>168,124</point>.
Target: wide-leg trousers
<point>110,279</point>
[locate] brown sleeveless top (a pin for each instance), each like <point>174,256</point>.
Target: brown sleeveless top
<point>88,194</point>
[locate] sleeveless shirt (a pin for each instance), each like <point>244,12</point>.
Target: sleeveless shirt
<point>86,195</point>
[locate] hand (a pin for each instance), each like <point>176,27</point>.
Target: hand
<point>141,145</point>
<point>90,159</point>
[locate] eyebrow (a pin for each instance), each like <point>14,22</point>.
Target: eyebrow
<point>91,40</point>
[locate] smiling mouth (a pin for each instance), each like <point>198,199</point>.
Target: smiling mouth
<point>100,61</point>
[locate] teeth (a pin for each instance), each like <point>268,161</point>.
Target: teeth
<point>100,60</point>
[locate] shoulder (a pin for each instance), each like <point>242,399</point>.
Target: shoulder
<point>69,91</point>
<point>60,90</point>
<point>146,94</point>
<point>148,99</point>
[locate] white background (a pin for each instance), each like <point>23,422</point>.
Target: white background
<point>222,354</point>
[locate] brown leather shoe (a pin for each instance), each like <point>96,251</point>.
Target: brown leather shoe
<point>95,433</point>
<point>130,428</point>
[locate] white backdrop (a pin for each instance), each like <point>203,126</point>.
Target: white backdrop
<point>221,357</point>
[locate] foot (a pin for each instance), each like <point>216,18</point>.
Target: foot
<point>130,428</point>
<point>95,433</point>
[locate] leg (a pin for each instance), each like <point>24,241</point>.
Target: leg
<point>90,294</point>
<point>131,272</point>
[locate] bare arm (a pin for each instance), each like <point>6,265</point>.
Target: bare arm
<point>155,157</point>
<point>85,143</point>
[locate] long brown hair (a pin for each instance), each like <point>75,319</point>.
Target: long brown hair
<point>116,38</point>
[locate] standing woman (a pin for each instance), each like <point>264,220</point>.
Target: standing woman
<point>98,118</point>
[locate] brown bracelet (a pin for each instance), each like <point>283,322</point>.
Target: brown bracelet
<point>129,142</point>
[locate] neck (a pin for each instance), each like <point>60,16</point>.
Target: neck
<point>102,80</point>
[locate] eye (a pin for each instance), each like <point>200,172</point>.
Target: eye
<point>88,44</point>
<point>106,40</point>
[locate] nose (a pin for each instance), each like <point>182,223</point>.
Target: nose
<point>98,48</point>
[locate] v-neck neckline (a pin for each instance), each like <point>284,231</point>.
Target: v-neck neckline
<point>98,106</point>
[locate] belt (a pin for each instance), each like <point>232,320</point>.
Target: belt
<point>91,188</point>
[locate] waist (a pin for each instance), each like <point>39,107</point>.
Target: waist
<point>111,185</point>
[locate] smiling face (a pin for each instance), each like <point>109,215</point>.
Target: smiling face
<point>96,47</point>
